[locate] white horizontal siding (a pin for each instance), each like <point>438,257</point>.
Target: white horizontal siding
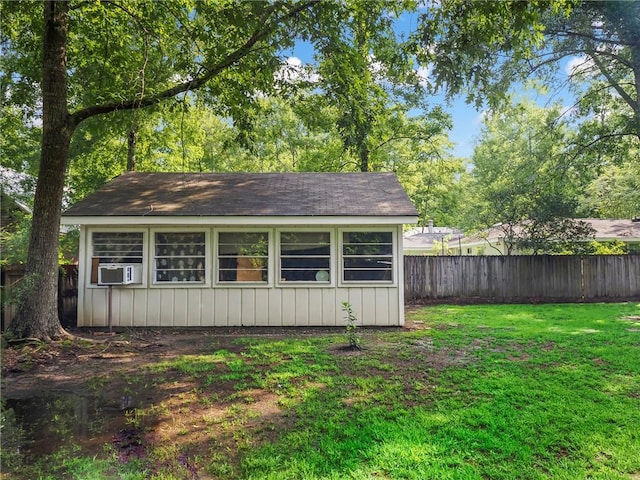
<point>219,307</point>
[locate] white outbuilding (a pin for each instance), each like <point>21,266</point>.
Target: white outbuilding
<point>268,249</point>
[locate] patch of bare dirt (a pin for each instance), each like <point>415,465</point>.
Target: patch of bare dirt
<point>34,367</point>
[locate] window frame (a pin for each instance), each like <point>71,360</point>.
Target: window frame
<point>93,260</point>
<point>395,259</point>
<point>304,283</point>
<point>242,283</point>
<point>180,284</point>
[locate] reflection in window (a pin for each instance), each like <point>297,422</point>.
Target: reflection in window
<point>305,257</point>
<point>180,257</point>
<point>367,256</point>
<point>243,256</point>
<point>117,247</point>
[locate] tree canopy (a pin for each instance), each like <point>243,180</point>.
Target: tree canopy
<point>74,61</point>
<point>92,89</point>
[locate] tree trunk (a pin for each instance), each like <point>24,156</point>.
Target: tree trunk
<point>364,157</point>
<point>131,149</point>
<point>37,312</point>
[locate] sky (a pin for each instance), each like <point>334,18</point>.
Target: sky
<point>466,119</point>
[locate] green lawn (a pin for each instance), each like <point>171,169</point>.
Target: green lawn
<point>474,392</point>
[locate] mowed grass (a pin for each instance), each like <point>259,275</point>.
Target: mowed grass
<point>500,392</point>
<point>471,392</point>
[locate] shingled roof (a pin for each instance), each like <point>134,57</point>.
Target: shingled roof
<point>248,194</point>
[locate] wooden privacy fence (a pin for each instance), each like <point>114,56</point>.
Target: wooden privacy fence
<point>522,278</point>
<point>67,294</point>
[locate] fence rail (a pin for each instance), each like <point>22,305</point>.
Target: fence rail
<point>522,278</point>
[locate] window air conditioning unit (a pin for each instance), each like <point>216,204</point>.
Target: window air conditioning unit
<point>115,274</point>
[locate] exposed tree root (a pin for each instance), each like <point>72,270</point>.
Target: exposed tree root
<point>12,341</point>
<point>60,335</point>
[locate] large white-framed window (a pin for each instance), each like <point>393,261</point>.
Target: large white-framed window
<point>180,257</point>
<point>110,247</point>
<point>242,256</point>
<point>367,256</point>
<point>304,256</point>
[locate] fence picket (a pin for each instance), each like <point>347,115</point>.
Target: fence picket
<point>544,278</point>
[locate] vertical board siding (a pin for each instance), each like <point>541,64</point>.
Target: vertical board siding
<point>289,308</point>
<point>126,307</point>
<point>182,307</point>
<point>248,308</point>
<point>275,307</point>
<point>140,309</point>
<point>219,315</point>
<point>233,308</point>
<point>262,307</point>
<point>523,277</point>
<point>329,302</point>
<point>302,307</point>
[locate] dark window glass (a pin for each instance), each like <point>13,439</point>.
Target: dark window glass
<point>367,256</point>
<point>117,247</point>
<point>305,257</point>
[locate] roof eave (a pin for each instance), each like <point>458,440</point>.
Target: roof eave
<point>301,220</point>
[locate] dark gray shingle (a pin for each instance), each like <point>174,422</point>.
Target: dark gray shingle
<point>248,194</point>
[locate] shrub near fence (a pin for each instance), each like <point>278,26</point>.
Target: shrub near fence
<point>544,278</point>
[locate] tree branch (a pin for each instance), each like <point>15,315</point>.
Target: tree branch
<point>587,36</point>
<point>618,88</point>
<point>600,138</point>
<point>200,79</point>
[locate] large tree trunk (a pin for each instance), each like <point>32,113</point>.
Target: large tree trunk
<point>37,313</point>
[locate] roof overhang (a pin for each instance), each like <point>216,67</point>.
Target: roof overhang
<point>157,220</point>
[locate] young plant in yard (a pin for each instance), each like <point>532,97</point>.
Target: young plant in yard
<point>353,334</point>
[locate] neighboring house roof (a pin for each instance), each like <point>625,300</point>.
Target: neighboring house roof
<point>16,187</point>
<point>248,194</point>
<point>625,230</point>
<point>615,229</point>
<point>420,240</point>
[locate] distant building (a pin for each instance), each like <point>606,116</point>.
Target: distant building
<point>431,240</point>
<point>14,192</point>
<point>491,241</point>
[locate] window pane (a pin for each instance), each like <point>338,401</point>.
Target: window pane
<point>243,256</point>
<point>367,256</point>
<point>305,256</point>
<point>117,247</point>
<point>180,257</point>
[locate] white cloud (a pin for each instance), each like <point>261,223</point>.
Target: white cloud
<point>375,66</point>
<point>293,70</point>
<point>423,74</point>
<point>482,117</point>
<point>294,62</point>
<point>578,66</point>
